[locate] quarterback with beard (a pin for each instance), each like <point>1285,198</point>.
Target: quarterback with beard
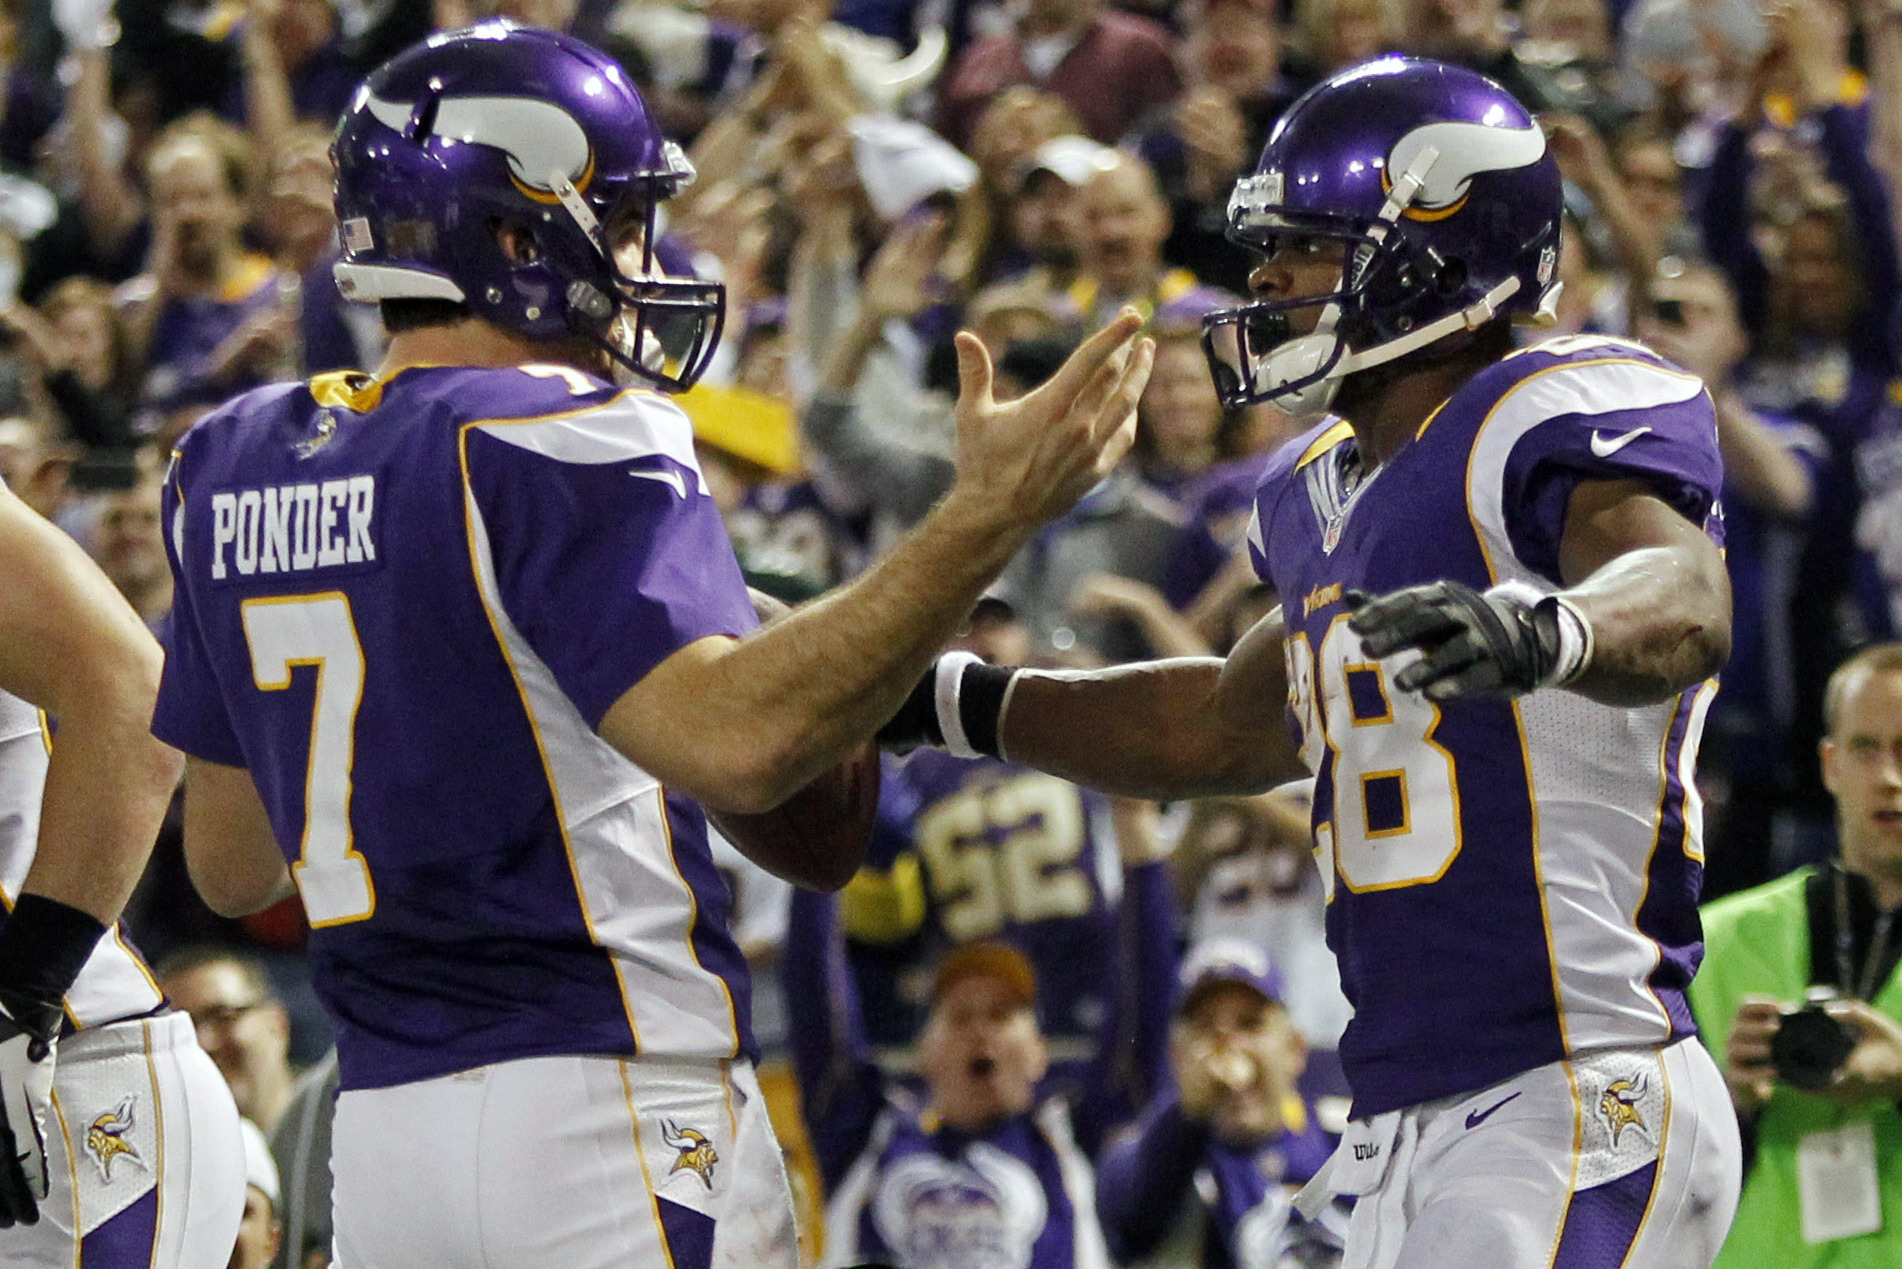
<point>461,650</point>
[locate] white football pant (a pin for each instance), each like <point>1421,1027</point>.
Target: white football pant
<point>577,1162</point>
<point>144,1158</point>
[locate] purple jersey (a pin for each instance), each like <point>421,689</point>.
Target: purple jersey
<point>926,1196</point>
<point>1509,882</point>
<point>405,606</point>
<point>1169,1192</point>
<point>187,331</point>
<point>999,852</point>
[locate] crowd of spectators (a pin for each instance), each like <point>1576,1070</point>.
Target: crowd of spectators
<point>877,174</point>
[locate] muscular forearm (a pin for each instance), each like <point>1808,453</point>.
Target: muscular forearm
<point>1189,727</point>
<point>108,783</point>
<point>781,706</point>
<point>78,651</point>
<point>1136,730</point>
<point>1660,623</point>
<point>1651,586</point>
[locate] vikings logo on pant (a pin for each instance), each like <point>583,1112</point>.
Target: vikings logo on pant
<point>1619,1106</point>
<point>106,1138</point>
<point>696,1151</point>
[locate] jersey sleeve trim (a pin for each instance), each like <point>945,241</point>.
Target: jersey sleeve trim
<point>628,428</point>
<point>1609,385</point>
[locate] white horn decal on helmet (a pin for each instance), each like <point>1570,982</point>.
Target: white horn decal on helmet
<point>1466,150</point>
<point>537,136</point>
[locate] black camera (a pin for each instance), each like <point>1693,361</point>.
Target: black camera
<point>1810,1046</point>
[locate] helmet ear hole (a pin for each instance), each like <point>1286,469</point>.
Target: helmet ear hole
<point>1451,277</point>
<point>517,241</point>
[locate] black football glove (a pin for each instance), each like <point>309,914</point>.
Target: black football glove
<point>28,1037</point>
<point>1493,644</point>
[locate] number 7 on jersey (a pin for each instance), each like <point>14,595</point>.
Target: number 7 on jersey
<point>318,630</point>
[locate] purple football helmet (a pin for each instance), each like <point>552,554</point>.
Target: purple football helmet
<point>502,123</point>
<point>1448,198</point>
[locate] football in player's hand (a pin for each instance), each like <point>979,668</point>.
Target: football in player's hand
<point>817,837</point>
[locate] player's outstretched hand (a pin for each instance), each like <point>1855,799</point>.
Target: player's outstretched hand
<point>1492,644</point>
<point>26,1094</point>
<point>1033,457</point>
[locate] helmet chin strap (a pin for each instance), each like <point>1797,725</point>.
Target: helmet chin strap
<point>1310,354</point>
<point>583,295</point>
<point>1321,353</point>
<point>564,189</point>
<point>625,349</point>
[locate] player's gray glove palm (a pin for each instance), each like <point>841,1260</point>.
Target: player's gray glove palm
<point>27,1050</point>
<point>1492,644</point>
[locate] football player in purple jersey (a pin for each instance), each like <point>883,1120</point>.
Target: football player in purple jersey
<point>463,643</point>
<point>1503,605</point>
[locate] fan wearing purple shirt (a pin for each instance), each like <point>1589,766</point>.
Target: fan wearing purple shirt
<point>1209,1176</point>
<point>976,1170</point>
<point>1504,605</point>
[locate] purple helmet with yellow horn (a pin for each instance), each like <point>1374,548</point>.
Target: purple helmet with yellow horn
<point>1447,196</point>
<point>498,124</point>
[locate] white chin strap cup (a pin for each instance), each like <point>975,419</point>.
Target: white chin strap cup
<point>1296,360</point>
<point>1306,354</point>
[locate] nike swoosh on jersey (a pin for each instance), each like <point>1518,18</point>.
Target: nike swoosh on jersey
<point>1474,1118</point>
<point>1602,448</point>
<point>671,478</point>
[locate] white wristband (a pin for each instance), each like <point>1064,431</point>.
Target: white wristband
<point>950,678</point>
<point>1576,644</point>
<point>1575,633</point>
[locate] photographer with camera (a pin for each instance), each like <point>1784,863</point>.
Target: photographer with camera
<point>1799,978</point>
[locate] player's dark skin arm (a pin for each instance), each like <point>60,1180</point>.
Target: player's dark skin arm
<point>1651,584</point>
<point>1654,589</point>
<point>1182,728</point>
